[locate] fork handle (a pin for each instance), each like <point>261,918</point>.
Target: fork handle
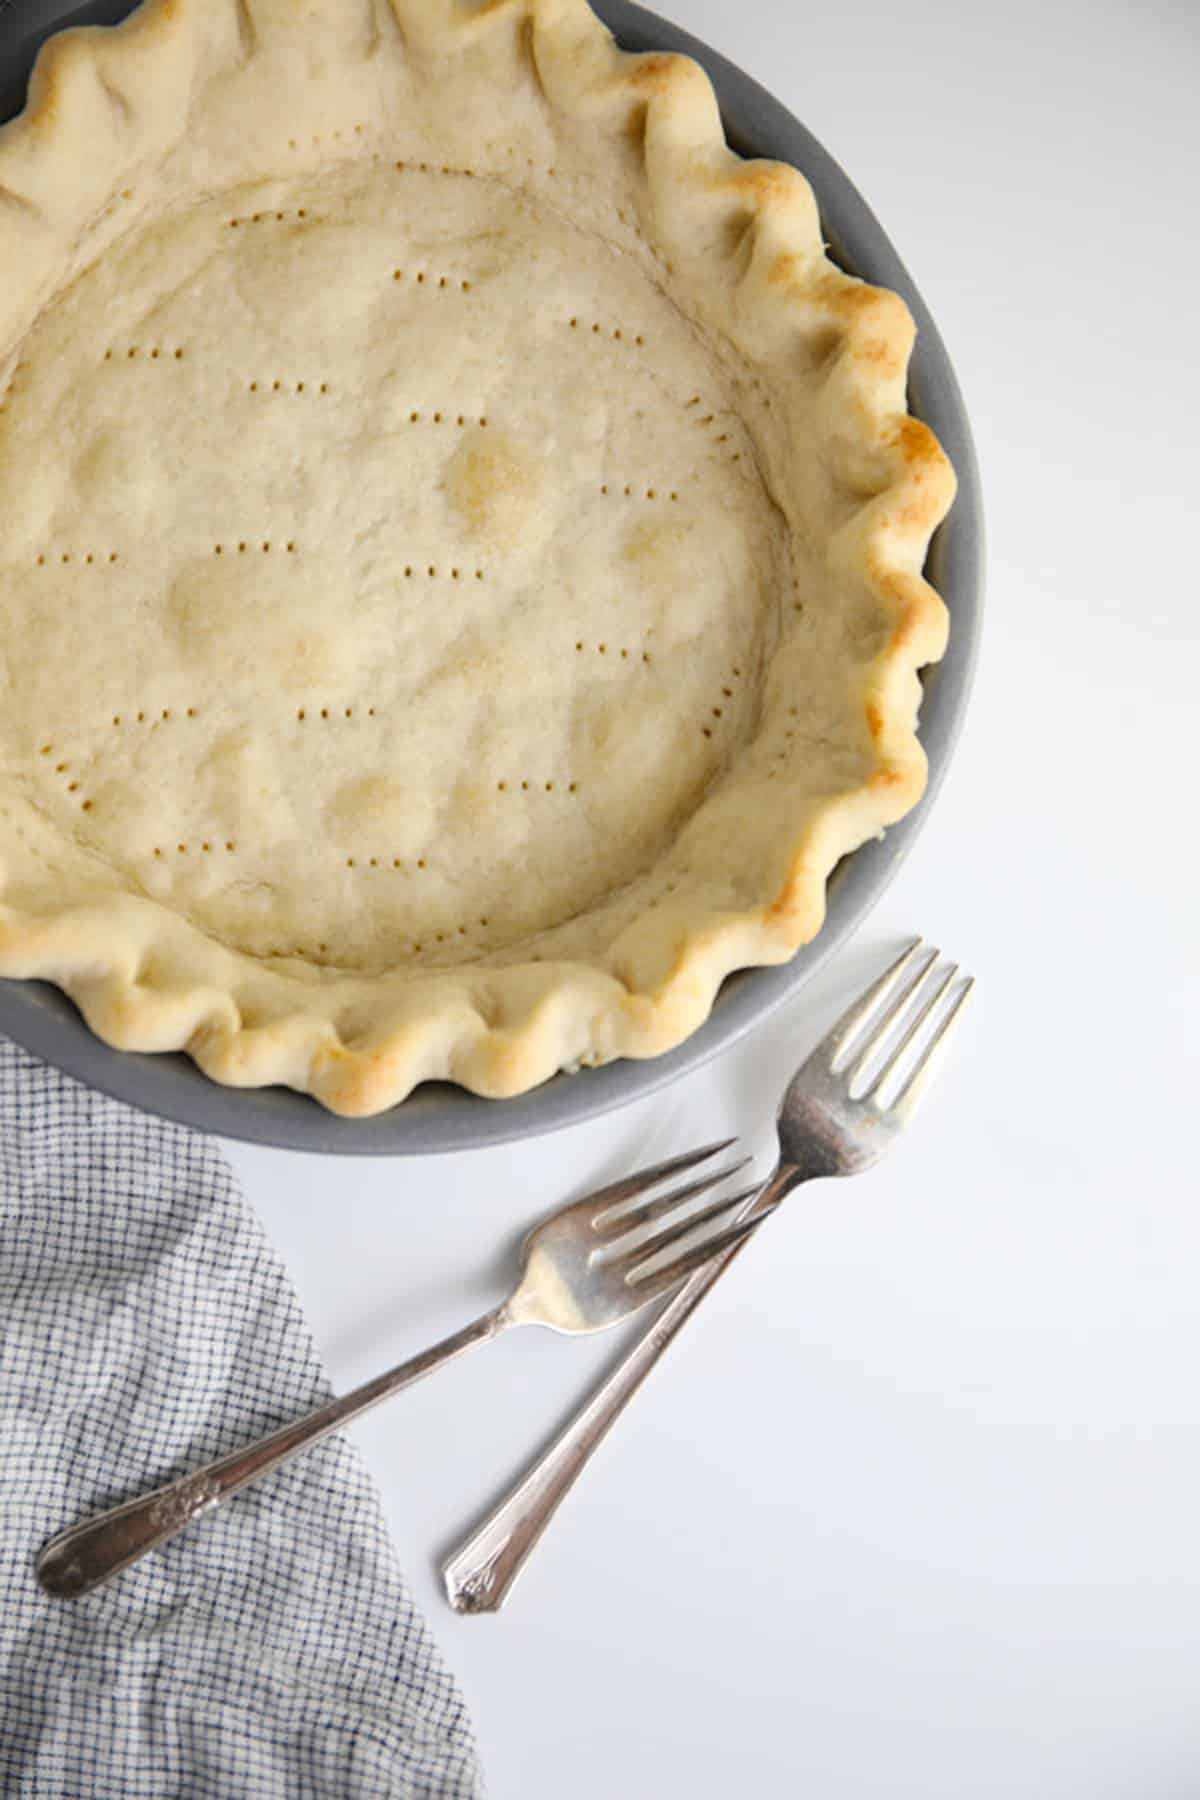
<point>480,1573</point>
<point>80,1558</point>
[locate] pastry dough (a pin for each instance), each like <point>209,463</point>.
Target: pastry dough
<point>460,544</point>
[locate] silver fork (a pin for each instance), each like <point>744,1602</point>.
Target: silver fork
<point>586,1267</point>
<point>840,1112</point>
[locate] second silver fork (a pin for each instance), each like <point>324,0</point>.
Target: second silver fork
<point>840,1112</point>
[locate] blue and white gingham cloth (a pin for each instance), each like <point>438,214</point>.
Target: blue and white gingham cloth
<point>146,1326</point>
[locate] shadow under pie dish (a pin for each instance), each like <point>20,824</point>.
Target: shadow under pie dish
<point>461,546</point>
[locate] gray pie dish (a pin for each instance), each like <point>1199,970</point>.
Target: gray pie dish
<point>438,1116</point>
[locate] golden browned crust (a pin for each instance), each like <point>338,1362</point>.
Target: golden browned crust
<point>741,244</point>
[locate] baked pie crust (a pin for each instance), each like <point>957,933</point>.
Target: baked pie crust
<point>460,544</point>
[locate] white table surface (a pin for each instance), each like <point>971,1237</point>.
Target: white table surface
<point>914,1508</point>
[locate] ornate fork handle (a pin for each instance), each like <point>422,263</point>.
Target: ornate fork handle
<point>97,1548</point>
<point>481,1572</point>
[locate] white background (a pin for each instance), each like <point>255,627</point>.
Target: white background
<point>914,1506</point>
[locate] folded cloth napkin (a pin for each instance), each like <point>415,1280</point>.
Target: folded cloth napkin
<point>146,1326</point>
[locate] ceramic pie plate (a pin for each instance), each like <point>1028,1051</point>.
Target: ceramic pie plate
<point>437,1117</point>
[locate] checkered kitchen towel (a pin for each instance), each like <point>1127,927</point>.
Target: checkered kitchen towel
<point>146,1326</point>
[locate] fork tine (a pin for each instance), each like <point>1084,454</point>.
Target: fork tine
<point>914,1089</point>
<point>630,1186</point>
<point>847,1028</point>
<point>672,1233</point>
<point>919,1017</point>
<point>605,1225</point>
<point>895,1010</point>
<point>648,1286</point>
